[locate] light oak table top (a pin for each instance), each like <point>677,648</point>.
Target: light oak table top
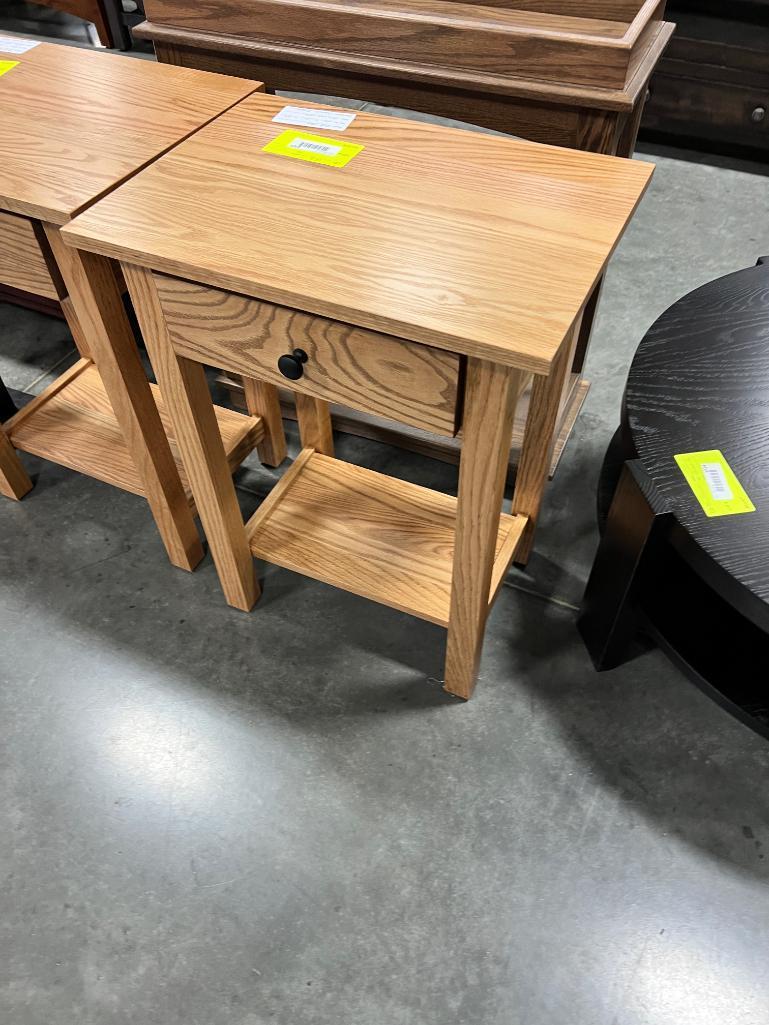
<point>75,123</point>
<point>474,243</point>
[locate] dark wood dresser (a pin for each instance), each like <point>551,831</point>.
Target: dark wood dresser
<point>711,88</point>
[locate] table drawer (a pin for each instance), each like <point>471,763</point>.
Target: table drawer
<point>376,373</point>
<point>23,263</point>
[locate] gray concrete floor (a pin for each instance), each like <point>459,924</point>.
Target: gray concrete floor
<point>211,818</point>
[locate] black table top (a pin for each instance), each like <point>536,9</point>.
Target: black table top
<point>700,380</point>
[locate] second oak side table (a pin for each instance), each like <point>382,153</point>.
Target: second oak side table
<point>75,124</point>
<point>423,279</point>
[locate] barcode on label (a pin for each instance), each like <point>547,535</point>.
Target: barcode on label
<point>716,482</point>
<point>314,147</point>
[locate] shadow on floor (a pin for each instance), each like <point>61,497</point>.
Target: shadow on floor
<point>318,658</point>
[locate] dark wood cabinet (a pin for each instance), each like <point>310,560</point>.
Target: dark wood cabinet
<point>711,89</point>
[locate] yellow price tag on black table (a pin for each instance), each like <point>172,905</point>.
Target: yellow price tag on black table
<point>714,483</point>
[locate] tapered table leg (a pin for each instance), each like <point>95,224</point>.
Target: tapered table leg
<point>636,523</point>
<point>314,423</point>
<point>262,400</point>
<point>538,442</point>
<point>14,482</point>
<point>188,400</point>
<point>490,396</point>
<point>98,305</point>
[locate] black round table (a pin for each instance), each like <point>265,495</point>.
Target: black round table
<point>700,585</point>
<point>7,405</point>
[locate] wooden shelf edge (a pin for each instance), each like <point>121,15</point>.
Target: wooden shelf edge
<point>506,554</point>
<point>72,424</point>
<point>243,442</point>
<point>62,382</point>
<point>372,535</point>
<point>271,502</point>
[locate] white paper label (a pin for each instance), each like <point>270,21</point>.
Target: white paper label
<point>716,482</point>
<point>336,120</point>
<point>9,44</point>
<point>314,147</point>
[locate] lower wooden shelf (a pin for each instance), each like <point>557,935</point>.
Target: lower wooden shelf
<point>72,423</point>
<point>376,536</point>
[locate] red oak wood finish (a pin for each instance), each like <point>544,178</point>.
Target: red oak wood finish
<point>445,263</point>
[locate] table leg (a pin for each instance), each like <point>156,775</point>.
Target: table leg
<point>14,482</point>
<point>637,521</point>
<point>188,400</point>
<point>98,305</point>
<point>614,134</point>
<point>490,396</point>
<point>262,400</point>
<point>314,424</point>
<point>538,442</point>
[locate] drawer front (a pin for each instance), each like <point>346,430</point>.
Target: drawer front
<point>403,381</point>
<point>708,110</point>
<point>22,262</point>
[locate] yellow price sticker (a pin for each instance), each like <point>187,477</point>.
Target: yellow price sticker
<point>7,66</point>
<point>714,483</point>
<point>317,149</point>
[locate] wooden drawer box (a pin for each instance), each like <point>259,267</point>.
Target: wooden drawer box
<point>403,381</point>
<point>23,263</point>
<point>707,112</point>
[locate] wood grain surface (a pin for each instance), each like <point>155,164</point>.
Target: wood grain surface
<point>700,381</point>
<point>491,392</point>
<point>74,425</point>
<point>410,383</point>
<point>479,97</point>
<point>463,35</point>
<point>14,482</point>
<point>101,317</point>
<point>188,400</point>
<point>364,425</point>
<point>477,244</point>
<point>77,122</point>
<point>379,537</point>
<point>539,437</point>
<point>262,401</point>
<point>314,419</point>
<point>23,264</point>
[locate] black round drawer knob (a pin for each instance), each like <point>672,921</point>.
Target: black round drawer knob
<point>292,364</point>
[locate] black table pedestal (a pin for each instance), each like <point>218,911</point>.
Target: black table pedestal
<point>7,405</point>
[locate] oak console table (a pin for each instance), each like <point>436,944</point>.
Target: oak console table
<point>565,72</point>
<point>425,278</point>
<point>75,124</point>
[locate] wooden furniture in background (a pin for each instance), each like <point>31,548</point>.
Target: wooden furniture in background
<point>430,274</point>
<point>565,72</point>
<point>711,89</point>
<point>77,123</point>
<point>98,12</point>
